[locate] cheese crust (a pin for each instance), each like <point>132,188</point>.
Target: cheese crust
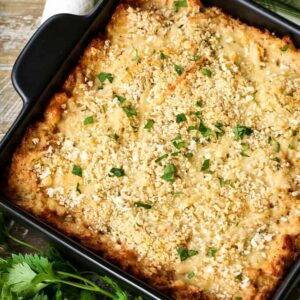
<point>173,150</point>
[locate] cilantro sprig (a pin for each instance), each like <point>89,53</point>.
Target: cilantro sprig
<point>46,275</point>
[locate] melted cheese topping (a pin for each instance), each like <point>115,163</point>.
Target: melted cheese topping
<point>234,212</point>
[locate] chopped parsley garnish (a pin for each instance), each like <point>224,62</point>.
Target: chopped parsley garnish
<point>181,3</point>
<point>284,48</point>
<point>191,128</point>
<point>188,155</point>
<point>169,173</point>
<point>185,254</point>
<point>245,148</point>
<point>244,154</point>
<point>88,120</point>
<point>269,140</point>
<point>149,124</point>
<point>238,298</point>
<point>191,275</point>
<point>175,153</point>
<point>261,231</point>
<point>118,172</point>
<point>277,147</point>
<point>212,252</point>
<point>240,131</point>
<point>206,72</point>
<point>198,114</point>
<point>105,76</point>
<point>200,103</point>
<point>113,136</point>
<point>121,99</point>
<point>180,118</point>
<point>76,170</point>
<point>205,165</point>
<point>162,56</point>
<point>222,182</point>
<point>196,139</point>
<point>239,277</point>
<point>143,205</point>
<point>136,56</point>
<point>161,158</point>
<point>196,57</point>
<point>178,69</point>
<point>277,159</point>
<point>129,111</point>
<point>290,147</point>
<point>221,131</point>
<point>204,130</point>
<point>78,188</point>
<point>178,143</point>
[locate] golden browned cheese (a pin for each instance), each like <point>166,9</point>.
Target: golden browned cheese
<point>173,150</point>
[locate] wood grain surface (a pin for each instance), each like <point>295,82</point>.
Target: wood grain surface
<point>18,21</point>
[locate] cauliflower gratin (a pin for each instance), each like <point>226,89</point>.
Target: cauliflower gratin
<point>173,150</point>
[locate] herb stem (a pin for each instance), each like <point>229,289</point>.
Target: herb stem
<point>77,277</point>
<point>24,243</point>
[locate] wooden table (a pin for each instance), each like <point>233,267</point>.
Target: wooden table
<point>18,21</point>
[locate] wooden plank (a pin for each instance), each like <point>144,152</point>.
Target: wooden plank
<point>18,21</point>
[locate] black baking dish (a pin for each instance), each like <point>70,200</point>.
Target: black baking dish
<point>40,70</point>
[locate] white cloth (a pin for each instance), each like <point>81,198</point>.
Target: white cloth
<point>77,7</point>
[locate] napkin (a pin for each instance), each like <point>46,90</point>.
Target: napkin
<point>77,7</point>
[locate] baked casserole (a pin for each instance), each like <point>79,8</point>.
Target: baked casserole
<point>173,150</point>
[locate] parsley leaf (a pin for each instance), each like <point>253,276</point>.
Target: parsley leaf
<point>196,57</point>
<point>205,165</point>
<point>284,48</point>
<point>238,298</point>
<point>277,147</point>
<point>105,76</point>
<point>198,114</point>
<point>240,131</point>
<point>78,188</point>
<point>180,118</point>
<point>161,158</point>
<point>239,277</point>
<point>178,69</point>
<point>191,128</point>
<point>169,173</point>
<point>118,172</point>
<point>149,124</point>
<point>221,131</point>
<point>113,136</point>
<point>212,252</point>
<point>181,3</point>
<point>204,130</point>
<point>130,111</point>
<point>206,72</point>
<point>121,99</point>
<point>200,103</point>
<point>76,170</point>
<point>185,254</point>
<point>191,275</point>
<point>144,205</point>
<point>162,56</point>
<point>88,120</point>
<point>178,143</point>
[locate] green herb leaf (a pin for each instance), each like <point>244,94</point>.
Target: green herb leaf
<point>204,130</point>
<point>261,231</point>
<point>191,128</point>
<point>290,147</point>
<point>188,155</point>
<point>191,275</point>
<point>239,277</point>
<point>76,170</point>
<point>88,120</point>
<point>240,131</point>
<point>212,252</point>
<point>284,48</point>
<point>175,153</point>
<point>206,72</point>
<point>221,130</point>
<point>179,144</point>
<point>121,99</point>
<point>238,298</point>
<point>178,69</point>
<point>161,158</point>
<point>169,173</point>
<point>269,140</point>
<point>277,147</point>
<point>181,3</point>
<point>162,56</point>
<point>277,159</point>
<point>144,205</point>
<point>198,114</point>
<point>205,165</point>
<point>130,111</point>
<point>149,124</point>
<point>78,188</point>
<point>113,136</point>
<point>222,182</point>
<point>105,76</point>
<point>180,118</point>
<point>196,57</point>
<point>118,172</point>
<point>200,103</point>
<point>136,56</point>
<point>185,254</point>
